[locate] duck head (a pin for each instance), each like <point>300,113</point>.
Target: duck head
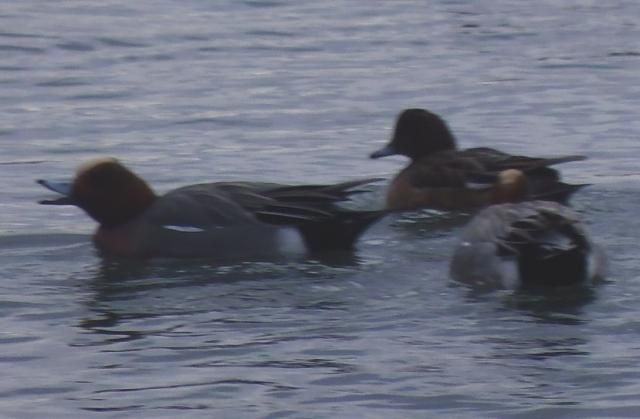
<point>106,190</point>
<point>417,133</point>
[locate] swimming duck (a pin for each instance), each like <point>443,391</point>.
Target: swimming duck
<point>243,220</point>
<point>441,176</point>
<point>531,244</point>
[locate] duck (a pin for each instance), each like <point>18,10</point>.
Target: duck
<point>441,176</point>
<point>534,244</point>
<point>246,220</point>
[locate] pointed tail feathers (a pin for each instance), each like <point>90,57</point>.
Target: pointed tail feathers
<point>558,192</point>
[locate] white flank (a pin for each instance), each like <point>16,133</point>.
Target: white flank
<point>290,241</point>
<point>509,275</point>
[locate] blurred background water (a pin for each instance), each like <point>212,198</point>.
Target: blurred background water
<point>191,91</point>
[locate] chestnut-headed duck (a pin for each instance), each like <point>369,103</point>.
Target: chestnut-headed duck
<point>530,244</point>
<point>441,176</point>
<point>239,220</point>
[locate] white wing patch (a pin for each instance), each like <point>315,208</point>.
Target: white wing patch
<point>184,229</point>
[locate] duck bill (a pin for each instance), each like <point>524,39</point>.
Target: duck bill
<point>65,200</point>
<point>385,151</point>
<point>63,188</point>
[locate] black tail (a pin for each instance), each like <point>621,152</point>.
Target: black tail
<point>551,250</point>
<point>315,211</point>
<point>543,267</point>
<point>544,183</point>
<point>555,191</point>
<point>339,232</point>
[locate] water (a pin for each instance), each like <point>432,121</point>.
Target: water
<point>300,90</point>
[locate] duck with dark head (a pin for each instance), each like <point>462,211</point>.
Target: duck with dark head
<point>441,176</point>
<point>228,220</point>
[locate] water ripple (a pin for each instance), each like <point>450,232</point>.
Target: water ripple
<point>21,48</point>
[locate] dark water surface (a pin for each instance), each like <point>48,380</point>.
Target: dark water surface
<point>188,91</point>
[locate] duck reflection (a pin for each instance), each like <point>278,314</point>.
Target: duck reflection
<point>559,305</point>
<point>127,296</point>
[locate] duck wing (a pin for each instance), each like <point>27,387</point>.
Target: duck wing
<point>314,210</point>
<point>295,204</point>
<point>496,161</point>
<point>448,169</point>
